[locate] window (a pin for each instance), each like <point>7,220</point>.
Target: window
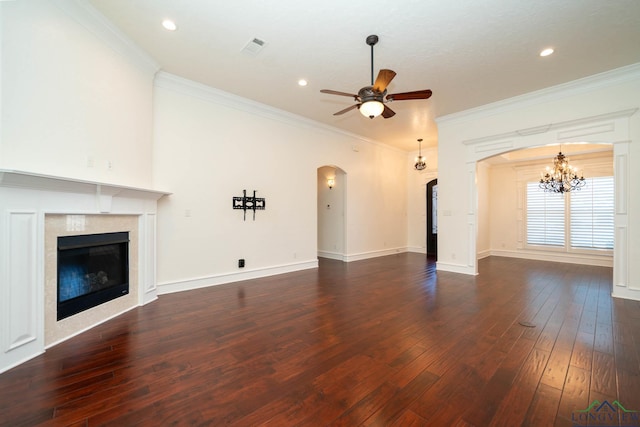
<point>545,217</point>
<point>585,218</point>
<point>592,214</point>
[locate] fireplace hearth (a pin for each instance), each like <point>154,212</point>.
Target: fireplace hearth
<point>92,269</point>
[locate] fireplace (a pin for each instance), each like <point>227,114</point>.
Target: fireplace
<point>92,269</point>
<point>37,209</point>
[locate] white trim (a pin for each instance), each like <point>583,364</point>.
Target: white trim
<point>562,136</point>
<point>625,293</point>
<point>456,268</point>
<point>85,14</point>
<point>549,94</point>
<point>36,181</point>
<point>484,254</point>
<point>20,362</point>
<point>216,96</point>
<point>373,254</point>
<point>601,261</point>
<point>417,250</point>
<point>331,255</point>
<point>219,279</point>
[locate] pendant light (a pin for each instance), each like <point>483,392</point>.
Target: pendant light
<point>420,160</point>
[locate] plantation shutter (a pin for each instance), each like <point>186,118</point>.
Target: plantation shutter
<point>545,217</point>
<point>592,214</point>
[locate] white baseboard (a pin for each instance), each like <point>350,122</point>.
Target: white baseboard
<point>600,261</point>
<point>484,254</point>
<point>331,255</point>
<point>20,362</point>
<point>417,249</point>
<point>455,268</point>
<point>373,254</point>
<point>626,293</point>
<point>219,279</point>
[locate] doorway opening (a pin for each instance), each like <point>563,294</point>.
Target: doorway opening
<point>432,219</point>
<point>331,212</point>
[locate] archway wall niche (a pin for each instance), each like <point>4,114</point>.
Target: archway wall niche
<point>332,188</point>
<point>602,109</point>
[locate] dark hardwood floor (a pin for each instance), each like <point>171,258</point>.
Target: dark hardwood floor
<point>385,342</point>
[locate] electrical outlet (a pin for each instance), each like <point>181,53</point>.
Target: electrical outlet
<point>241,263</point>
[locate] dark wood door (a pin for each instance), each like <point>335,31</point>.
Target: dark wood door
<point>432,218</point>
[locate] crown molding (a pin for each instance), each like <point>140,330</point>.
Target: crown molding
<point>216,96</point>
<point>552,126</point>
<point>552,93</point>
<point>95,22</point>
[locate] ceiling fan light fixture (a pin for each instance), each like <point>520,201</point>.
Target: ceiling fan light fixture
<point>370,99</point>
<point>371,109</point>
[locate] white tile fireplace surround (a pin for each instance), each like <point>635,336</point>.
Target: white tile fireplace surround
<point>34,211</point>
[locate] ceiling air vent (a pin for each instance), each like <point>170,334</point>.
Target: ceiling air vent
<point>254,46</point>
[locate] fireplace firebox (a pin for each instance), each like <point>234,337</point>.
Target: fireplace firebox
<point>92,269</point>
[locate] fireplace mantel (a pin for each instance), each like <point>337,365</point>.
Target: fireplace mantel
<point>29,203</point>
<point>34,181</point>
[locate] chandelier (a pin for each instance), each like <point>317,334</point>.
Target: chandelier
<point>420,160</point>
<point>562,178</point>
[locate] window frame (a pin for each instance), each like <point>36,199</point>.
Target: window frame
<point>566,247</point>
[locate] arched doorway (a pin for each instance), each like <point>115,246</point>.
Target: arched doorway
<point>612,128</point>
<point>331,187</point>
<point>513,212</point>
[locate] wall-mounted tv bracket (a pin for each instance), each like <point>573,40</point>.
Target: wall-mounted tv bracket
<point>249,203</point>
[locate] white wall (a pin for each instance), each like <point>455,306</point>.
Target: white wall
<point>78,100</point>
<point>210,145</point>
<point>598,109</point>
<point>75,99</point>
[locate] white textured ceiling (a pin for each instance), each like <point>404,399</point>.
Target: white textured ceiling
<point>469,52</point>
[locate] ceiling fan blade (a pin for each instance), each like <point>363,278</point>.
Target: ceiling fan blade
<point>388,112</point>
<point>335,92</point>
<point>418,94</point>
<point>383,80</point>
<point>347,109</point>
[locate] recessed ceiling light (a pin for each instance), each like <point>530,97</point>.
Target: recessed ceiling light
<point>546,52</point>
<point>302,82</point>
<point>168,24</point>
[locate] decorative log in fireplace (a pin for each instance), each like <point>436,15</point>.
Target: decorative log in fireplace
<point>92,269</point>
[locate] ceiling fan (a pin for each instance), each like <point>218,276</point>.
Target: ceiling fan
<point>371,99</point>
